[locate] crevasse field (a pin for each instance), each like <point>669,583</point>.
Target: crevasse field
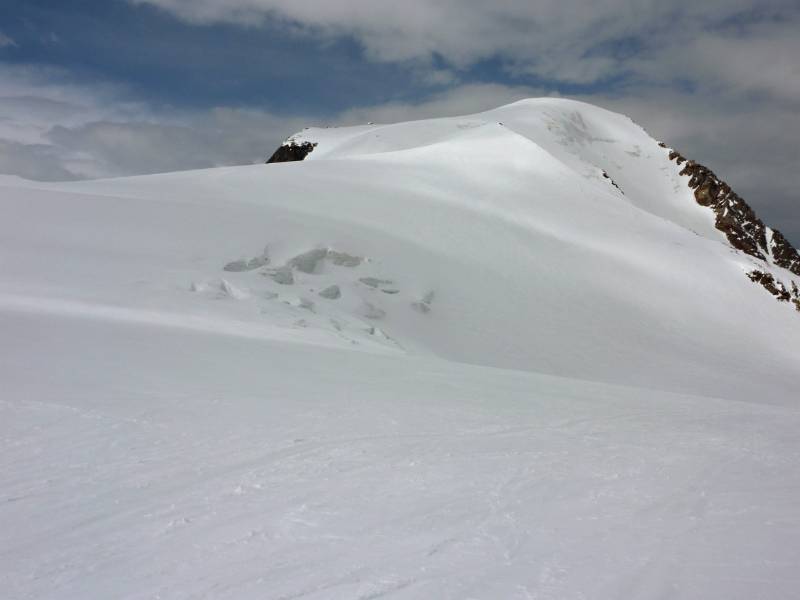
<point>444,359</point>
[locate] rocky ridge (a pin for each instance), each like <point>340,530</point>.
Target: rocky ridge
<point>744,230</point>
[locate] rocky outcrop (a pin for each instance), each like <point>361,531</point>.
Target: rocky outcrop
<point>291,151</point>
<point>776,287</point>
<point>744,230</point>
<point>614,183</point>
<point>772,285</point>
<point>784,254</point>
<point>796,296</point>
<point>734,217</point>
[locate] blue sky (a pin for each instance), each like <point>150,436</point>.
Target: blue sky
<point>111,87</point>
<point>162,59</point>
<point>169,62</point>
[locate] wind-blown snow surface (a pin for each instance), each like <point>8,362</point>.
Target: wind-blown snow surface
<point>532,383</point>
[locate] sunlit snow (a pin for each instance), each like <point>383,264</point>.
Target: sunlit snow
<point>438,359</point>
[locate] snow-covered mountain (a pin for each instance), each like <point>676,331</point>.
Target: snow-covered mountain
<point>527,353</point>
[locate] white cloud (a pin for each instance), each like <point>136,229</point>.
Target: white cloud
<point>758,60</point>
<point>51,129</point>
<point>32,161</point>
<point>172,142</point>
<point>562,40</point>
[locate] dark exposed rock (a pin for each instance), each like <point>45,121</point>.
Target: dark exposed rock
<point>795,296</point>
<point>734,217</point>
<point>614,183</point>
<point>291,152</point>
<point>784,254</point>
<point>744,230</point>
<point>772,285</point>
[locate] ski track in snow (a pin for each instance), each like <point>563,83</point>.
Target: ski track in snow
<point>225,475</point>
<point>561,390</point>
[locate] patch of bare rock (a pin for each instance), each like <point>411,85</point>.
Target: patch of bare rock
<point>291,151</point>
<point>742,227</point>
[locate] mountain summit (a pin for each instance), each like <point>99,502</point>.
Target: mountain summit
<point>572,219</point>
<point>734,217</point>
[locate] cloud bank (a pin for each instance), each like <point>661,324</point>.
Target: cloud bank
<point>570,41</point>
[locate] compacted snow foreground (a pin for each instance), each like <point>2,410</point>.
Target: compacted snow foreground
<point>442,359</point>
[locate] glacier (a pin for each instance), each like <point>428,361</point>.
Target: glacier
<point>505,355</point>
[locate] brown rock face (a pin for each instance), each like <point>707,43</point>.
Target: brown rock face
<point>291,152</point>
<point>734,217</point>
<point>796,296</point>
<point>772,285</point>
<point>784,254</point>
<point>744,230</point>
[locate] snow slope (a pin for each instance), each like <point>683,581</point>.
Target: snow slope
<point>528,382</point>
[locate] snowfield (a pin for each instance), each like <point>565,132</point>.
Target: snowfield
<point>443,359</point>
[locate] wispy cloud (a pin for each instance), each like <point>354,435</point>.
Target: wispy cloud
<point>54,131</point>
<point>6,41</point>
